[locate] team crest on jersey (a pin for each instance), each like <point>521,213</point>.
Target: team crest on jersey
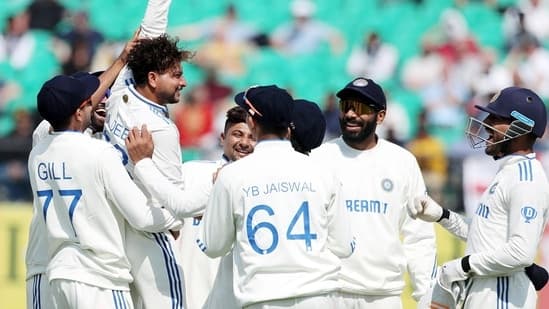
<point>528,213</point>
<point>387,185</point>
<point>495,97</point>
<point>493,188</point>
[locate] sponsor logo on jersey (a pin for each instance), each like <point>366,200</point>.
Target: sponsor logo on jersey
<point>372,206</point>
<point>387,185</point>
<point>528,213</point>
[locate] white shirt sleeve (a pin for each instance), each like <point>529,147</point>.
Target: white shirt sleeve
<point>154,24</point>
<point>129,200</point>
<point>456,225</point>
<point>524,235</point>
<point>182,203</point>
<point>155,21</point>
<point>217,231</point>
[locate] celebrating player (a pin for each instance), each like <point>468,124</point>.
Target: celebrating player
<point>503,235</point>
<point>152,79</point>
<point>275,210</point>
<point>378,180</point>
<point>36,258</point>
<point>84,202</point>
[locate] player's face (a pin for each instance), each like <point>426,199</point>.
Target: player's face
<point>501,125</point>
<point>169,85</point>
<point>99,112</point>
<point>84,112</point>
<point>357,120</point>
<point>238,141</point>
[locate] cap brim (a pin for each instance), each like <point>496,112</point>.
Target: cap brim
<point>491,111</point>
<point>351,91</point>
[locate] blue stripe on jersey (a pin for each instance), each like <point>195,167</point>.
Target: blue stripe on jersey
<point>525,171</point>
<point>115,299</point>
<point>201,245</point>
<point>503,292</point>
<point>434,270</point>
<point>129,81</point>
<point>174,279</point>
<point>36,291</point>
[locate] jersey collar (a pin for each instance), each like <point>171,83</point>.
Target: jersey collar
<point>155,106</point>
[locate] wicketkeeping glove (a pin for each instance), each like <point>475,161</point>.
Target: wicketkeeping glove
<point>425,208</point>
<point>451,272</point>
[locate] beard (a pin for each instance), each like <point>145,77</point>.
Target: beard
<point>497,151</point>
<point>368,128</point>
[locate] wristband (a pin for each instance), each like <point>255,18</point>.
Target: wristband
<point>445,214</point>
<point>465,264</point>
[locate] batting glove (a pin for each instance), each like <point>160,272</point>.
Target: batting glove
<point>425,208</point>
<point>455,270</point>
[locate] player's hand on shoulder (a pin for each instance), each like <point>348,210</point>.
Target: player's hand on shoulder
<point>139,144</point>
<point>424,208</point>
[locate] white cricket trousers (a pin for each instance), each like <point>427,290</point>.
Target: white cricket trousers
<point>69,294</point>
<point>156,270</point>
<point>38,292</point>
<point>513,291</point>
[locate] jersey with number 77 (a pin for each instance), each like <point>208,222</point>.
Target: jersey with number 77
<point>85,198</point>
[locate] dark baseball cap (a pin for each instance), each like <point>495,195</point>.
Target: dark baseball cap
<point>365,88</point>
<point>308,124</point>
<point>521,104</point>
<point>61,96</point>
<point>267,104</point>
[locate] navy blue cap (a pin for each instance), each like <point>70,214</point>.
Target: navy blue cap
<point>521,104</point>
<point>267,104</point>
<point>365,88</point>
<point>308,124</point>
<point>61,96</point>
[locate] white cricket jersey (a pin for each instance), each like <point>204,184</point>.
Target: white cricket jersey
<point>376,185</point>
<point>36,257</point>
<point>510,218</point>
<point>84,197</point>
<point>127,109</point>
<point>275,208</point>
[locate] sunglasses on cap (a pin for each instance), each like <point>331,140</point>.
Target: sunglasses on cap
<point>360,108</point>
<point>252,110</point>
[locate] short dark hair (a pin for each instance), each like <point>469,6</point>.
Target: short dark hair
<point>235,115</point>
<point>155,55</point>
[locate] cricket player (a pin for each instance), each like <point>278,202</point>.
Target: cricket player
<point>200,270</point>
<point>504,233</point>
<point>152,79</point>
<point>274,209</point>
<point>36,260</point>
<point>82,194</point>
<point>378,180</point>
<point>308,126</point>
